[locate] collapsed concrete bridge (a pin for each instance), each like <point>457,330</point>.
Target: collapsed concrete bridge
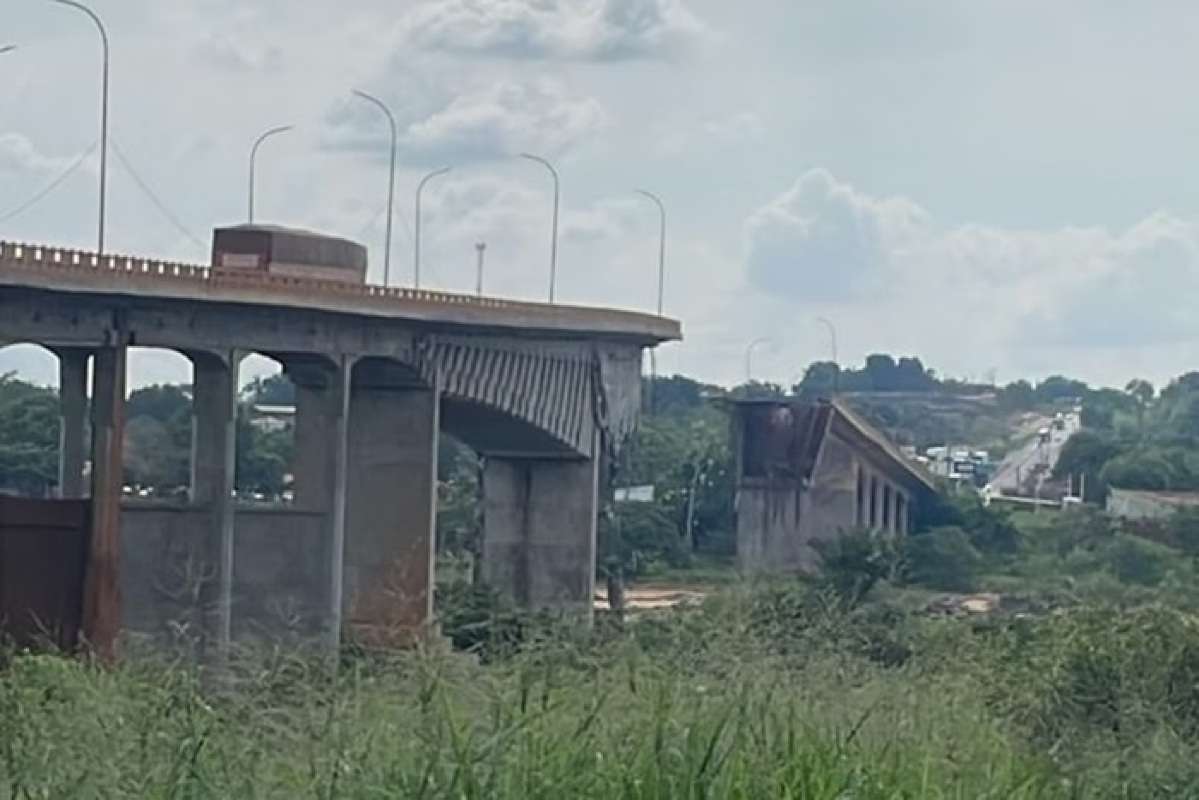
<point>542,392</point>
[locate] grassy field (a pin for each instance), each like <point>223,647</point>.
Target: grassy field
<point>768,690</point>
<point>774,691</point>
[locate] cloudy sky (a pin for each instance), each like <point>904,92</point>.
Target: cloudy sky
<point>999,186</point>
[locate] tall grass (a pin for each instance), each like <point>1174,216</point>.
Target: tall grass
<point>759,694</point>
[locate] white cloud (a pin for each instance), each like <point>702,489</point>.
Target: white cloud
<point>499,120</point>
<point>574,29</point>
<point>19,155</point>
<point>824,239</point>
<point>239,53</point>
<point>504,119</point>
<point>974,291</point>
<point>744,127</point>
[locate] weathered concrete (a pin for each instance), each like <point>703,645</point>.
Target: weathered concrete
<point>72,399</point>
<point>101,589</point>
<point>539,529</point>
<point>391,516</point>
<point>321,440</point>
<point>543,392</point>
<point>279,589</point>
<point>811,474</point>
<point>214,460</point>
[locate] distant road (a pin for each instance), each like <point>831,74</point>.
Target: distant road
<point>1022,462</point>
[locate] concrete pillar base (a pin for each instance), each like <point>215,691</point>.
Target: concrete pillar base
<point>391,512</point>
<point>72,394</point>
<point>321,434</point>
<point>101,590</point>
<point>214,449</point>
<point>539,531</point>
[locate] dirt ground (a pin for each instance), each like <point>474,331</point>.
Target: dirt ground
<point>647,596</point>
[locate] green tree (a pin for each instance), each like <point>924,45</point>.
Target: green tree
<point>678,394</point>
<point>28,436</point>
<point>158,428</point>
<point>163,402</point>
<point>272,390</point>
<point>1057,387</point>
<point>1017,396</point>
<point>263,457</point>
<point>942,558</point>
<point>1087,453</point>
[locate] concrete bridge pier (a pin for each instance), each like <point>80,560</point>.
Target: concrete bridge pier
<point>101,588</point>
<point>72,393</point>
<point>539,530</point>
<point>213,472</point>
<point>392,504</point>
<point>320,464</point>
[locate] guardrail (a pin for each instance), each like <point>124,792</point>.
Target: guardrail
<point>130,269</point>
<point>57,259</point>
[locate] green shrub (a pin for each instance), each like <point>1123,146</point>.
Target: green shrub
<point>942,558</point>
<point>1138,561</point>
<point>475,618</point>
<point>854,561</point>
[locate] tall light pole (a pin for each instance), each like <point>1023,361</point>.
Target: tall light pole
<point>254,160</point>
<point>103,115</point>
<point>653,355</point>
<point>480,248</point>
<point>749,352</point>
<point>832,333</point>
<point>554,230</point>
<point>661,244</point>
<point>420,187</point>
<point>391,181</point>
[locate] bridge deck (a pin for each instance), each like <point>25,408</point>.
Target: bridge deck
<point>61,269</point>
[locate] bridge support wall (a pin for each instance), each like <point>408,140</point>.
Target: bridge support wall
<point>320,468</point>
<point>101,588</point>
<point>391,513</point>
<point>72,398</point>
<point>539,530</point>
<point>213,468</point>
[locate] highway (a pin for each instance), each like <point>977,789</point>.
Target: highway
<point>1013,474</point>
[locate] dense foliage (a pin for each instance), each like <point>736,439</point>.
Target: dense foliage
<point>28,437</point>
<point>770,690</point>
<point>1138,439</point>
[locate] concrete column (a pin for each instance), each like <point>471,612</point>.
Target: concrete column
<point>391,514</point>
<point>321,434</point>
<point>876,502</point>
<point>539,528</point>
<point>888,525</point>
<point>101,591</point>
<point>72,401</point>
<point>213,471</point>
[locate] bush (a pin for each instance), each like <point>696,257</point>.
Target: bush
<point>1137,561</point>
<point>942,558</point>
<point>852,563</point>
<point>475,618</point>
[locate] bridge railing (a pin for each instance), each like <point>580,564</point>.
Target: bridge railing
<point>50,260</point>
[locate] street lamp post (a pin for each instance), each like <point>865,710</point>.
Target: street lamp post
<point>480,248</point>
<point>391,181</point>
<point>832,333</point>
<point>554,229</point>
<point>254,160</point>
<point>661,244</point>
<point>420,187</point>
<point>749,352</point>
<point>653,356</point>
<point>103,115</point>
